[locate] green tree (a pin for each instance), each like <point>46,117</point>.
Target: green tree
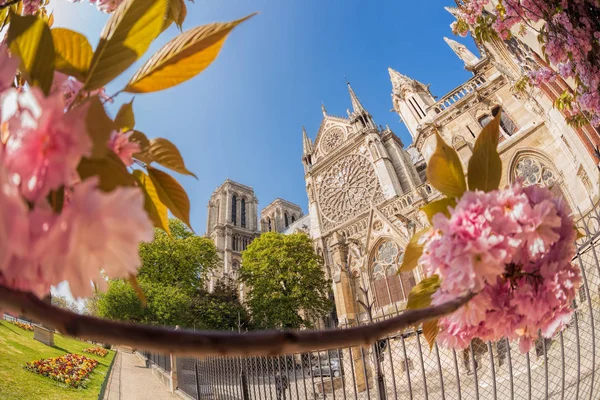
<point>287,285</point>
<point>179,260</point>
<point>166,305</point>
<point>220,309</point>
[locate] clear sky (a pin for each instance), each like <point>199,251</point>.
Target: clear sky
<point>242,117</point>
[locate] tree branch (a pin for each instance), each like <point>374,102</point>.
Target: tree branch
<point>203,343</point>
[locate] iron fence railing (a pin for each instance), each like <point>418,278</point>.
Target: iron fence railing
<point>160,360</point>
<point>403,367</point>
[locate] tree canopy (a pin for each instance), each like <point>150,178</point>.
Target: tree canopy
<point>288,288</point>
<point>179,260</point>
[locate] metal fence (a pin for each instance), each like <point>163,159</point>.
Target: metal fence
<point>403,367</point>
<point>160,360</point>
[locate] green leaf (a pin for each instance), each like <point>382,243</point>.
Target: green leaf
<point>445,171</point>
<point>182,58</point>
<point>166,154</point>
<point>110,169</point>
<point>420,295</point>
<point>30,39</point>
<point>73,52</point>
<point>413,251</point>
<point>171,194</point>
<point>156,210</point>
<point>438,206</point>
<point>99,127</point>
<point>144,154</point>
<point>126,36</point>
<point>430,331</point>
<point>125,119</point>
<point>485,166</point>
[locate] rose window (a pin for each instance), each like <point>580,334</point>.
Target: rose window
<point>532,172</point>
<point>347,188</point>
<point>332,139</point>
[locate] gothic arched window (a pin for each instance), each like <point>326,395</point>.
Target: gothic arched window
<point>293,219</point>
<point>389,287</point>
<point>285,217</point>
<point>507,126</point>
<point>243,223</point>
<point>269,224</point>
<point>533,172</point>
<point>234,209</point>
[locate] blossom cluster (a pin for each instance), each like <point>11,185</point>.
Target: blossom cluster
<point>99,351</point>
<point>27,327</point>
<point>570,33</point>
<point>70,369</point>
<point>513,248</point>
<point>93,233</point>
<point>106,6</point>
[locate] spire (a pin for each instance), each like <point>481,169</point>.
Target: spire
<point>356,105</point>
<point>462,52</point>
<point>323,109</point>
<point>453,10</point>
<point>306,143</point>
<point>402,83</point>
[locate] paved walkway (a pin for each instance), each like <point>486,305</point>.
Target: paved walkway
<point>131,380</point>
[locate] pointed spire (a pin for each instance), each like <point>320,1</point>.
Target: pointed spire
<point>402,83</point>
<point>323,109</point>
<point>356,105</point>
<point>453,10</point>
<point>306,143</point>
<point>462,52</point>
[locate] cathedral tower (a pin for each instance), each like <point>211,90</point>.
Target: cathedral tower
<point>231,224</point>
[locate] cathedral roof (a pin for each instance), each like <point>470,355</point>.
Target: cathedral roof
<point>302,224</point>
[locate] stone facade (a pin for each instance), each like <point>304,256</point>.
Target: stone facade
<point>365,187</point>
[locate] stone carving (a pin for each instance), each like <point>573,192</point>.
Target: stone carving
<point>532,172</point>
<point>332,139</point>
<point>347,188</point>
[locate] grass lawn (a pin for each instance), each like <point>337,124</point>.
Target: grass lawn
<point>17,347</point>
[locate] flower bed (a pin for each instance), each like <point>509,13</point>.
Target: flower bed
<point>99,351</point>
<point>27,327</point>
<point>70,369</point>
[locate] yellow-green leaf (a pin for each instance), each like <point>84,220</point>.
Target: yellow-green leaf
<point>420,295</point>
<point>73,52</point>
<point>485,166</point>
<point>579,233</point>
<point>445,171</point>
<point>182,58</point>
<point>438,206</point>
<point>172,194</point>
<point>30,39</point>
<point>99,127</point>
<point>166,154</point>
<point>430,331</point>
<point>144,154</point>
<point>138,290</point>
<point>126,36</point>
<point>156,210</point>
<point>110,170</point>
<point>413,251</point>
<point>125,119</point>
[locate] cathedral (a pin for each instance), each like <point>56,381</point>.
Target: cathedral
<point>365,187</point>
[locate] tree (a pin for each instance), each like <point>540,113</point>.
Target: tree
<point>220,309</point>
<point>166,305</point>
<point>180,259</point>
<point>287,285</point>
<point>62,302</point>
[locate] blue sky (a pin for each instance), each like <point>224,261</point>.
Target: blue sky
<point>242,117</point>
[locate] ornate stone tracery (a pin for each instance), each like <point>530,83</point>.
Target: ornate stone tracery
<point>332,139</point>
<point>532,172</point>
<point>348,188</point>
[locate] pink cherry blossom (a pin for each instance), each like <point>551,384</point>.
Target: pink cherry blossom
<point>44,145</point>
<point>120,144</point>
<point>8,68</point>
<point>106,6</point>
<point>513,247</point>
